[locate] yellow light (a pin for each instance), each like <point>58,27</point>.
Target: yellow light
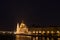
<point>48,32</point>
<point>57,31</point>
<point>43,32</point>
<point>36,38</point>
<point>3,32</point>
<point>29,32</point>
<point>39,31</point>
<point>52,31</point>
<point>17,30</point>
<point>33,31</point>
<point>22,28</point>
<point>14,32</point>
<point>36,31</point>
<point>17,37</point>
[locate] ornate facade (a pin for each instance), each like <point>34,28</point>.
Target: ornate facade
<point>22,28</point>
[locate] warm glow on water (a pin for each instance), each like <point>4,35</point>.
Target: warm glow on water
<point>48,32</point>
<point>21,29</point>
<point>39,31</point>
<point>52,32</point>
<point>22,33</point>
<point>18,37</point>
<point>58,32</point>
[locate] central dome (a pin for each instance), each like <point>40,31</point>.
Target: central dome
<point>22,29</point>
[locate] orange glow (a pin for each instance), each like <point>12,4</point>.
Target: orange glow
<point>52,31</point>
<point>17,30</point>
<point>29,32</point>
<point>3,32</point>
<point>43,31</point>
<point>33,31</point>
<point>39,31</point>
<point>21,29</point>
<point>48,32</point>
<point>36,31</point>
<point>17,37</point>
<point>58,32</point>
<point>36,38</point>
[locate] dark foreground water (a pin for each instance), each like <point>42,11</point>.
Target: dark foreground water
<point>19,37</point>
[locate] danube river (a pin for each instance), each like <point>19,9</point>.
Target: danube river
<point>19,37</point>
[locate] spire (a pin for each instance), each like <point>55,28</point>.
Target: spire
<point>17,27</point>
<point>22,28</point>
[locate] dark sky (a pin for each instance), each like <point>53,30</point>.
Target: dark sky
<point>32,12</point>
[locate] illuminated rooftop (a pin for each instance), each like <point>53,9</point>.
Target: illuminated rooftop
<point>22,28</point>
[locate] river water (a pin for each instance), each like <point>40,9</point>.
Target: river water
<point>19,37</point>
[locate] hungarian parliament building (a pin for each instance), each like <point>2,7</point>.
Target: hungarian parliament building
<point>22,28</point>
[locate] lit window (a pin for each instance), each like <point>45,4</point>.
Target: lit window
<point>39,31</point>
<point>57,31</point>
<point>52,31</point>
<point>3,32</point>
<point>36,31</point>
<point>33,31</point>
<point>47,31</point>
<point>43,32</point>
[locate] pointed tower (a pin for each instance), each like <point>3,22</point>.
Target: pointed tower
<point>17,29</point>
<point>22,29</point>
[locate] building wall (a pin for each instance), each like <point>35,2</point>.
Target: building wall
<point>50,29</point>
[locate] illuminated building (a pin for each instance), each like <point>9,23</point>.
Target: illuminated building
<point>23,29</point>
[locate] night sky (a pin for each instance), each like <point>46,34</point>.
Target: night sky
<point>42,12</point>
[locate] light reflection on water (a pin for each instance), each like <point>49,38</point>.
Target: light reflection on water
<point>18,37</point>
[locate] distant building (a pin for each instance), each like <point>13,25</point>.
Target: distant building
<point>22,28</point>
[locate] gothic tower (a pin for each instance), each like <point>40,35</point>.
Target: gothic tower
<point>22,28</point>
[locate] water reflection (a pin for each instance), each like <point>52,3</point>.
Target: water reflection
<point>47,38</point>
<point>19,37</point>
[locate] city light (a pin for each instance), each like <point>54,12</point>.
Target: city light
<point>39,31</point>
<point>22,29</point>
<point>48,32</point>
<point>33,31</point>
<point>3,32</point>
<point>52,32</point>
<point>43,31</point>
<point>58,32</point>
